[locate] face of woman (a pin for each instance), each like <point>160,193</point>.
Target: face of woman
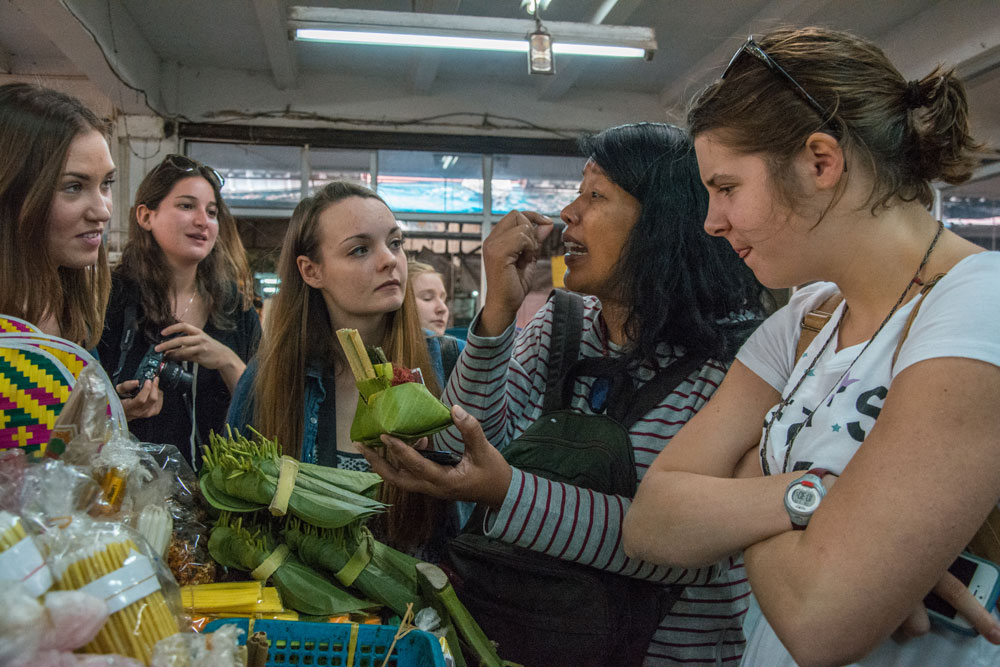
<point>432,307</point>
<point>743,209</point>
<point>362,267</point>
<point>598,223</point>
<point>81,206</point>
<point>186,223</point>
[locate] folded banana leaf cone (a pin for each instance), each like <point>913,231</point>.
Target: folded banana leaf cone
<point>407,411</point>
<point>239,475</point>
<point>392,400</point>
<point>301,587</point>
<point>359,561</point>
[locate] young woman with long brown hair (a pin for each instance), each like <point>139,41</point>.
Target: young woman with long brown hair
<point>342,265</point>
<point>55,201</point>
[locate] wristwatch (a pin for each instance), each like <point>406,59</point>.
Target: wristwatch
<point>803,496</point>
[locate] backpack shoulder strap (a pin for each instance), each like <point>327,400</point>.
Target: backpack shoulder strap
<point>564,347</point>
<point>814,321</point>
<point>928,286</point>
<point>631,406</point>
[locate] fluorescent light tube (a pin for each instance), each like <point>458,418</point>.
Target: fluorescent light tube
<point>449,31</point>
<point>453,42</point>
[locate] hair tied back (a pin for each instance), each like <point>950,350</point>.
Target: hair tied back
<point>913,96</point>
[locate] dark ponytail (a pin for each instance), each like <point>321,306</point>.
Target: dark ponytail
<point>943,146</point>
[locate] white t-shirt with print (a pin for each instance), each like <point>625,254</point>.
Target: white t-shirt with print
<point>833,411</point>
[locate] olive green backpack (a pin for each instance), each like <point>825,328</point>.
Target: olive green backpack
<point>547,612</point>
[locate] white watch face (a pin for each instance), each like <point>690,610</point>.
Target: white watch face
<point>802,499</point>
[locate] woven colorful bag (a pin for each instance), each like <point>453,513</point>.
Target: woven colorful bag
<point>37,374</point>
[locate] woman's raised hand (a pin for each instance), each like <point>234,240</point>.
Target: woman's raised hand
<point>508,252</point>
<point>481,476</point>
<point>189,343</point>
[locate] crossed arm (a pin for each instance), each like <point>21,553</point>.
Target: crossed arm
<point>904,507</point>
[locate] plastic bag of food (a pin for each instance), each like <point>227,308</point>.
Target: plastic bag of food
<point>188,649</point>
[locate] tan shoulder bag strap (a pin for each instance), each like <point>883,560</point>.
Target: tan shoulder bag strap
<point>913,314</point>
<point>986,542</point>
<point>814,321</point>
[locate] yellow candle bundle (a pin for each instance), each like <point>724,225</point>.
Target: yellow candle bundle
<point>20,559</point>
<point>13,534</point>
<point>243,597</point>
<point>134,629</point>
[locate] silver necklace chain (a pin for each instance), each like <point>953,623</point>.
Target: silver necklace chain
<point>180,318</point>
<point>786,401</point>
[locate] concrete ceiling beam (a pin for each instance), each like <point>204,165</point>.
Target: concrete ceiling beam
<point>272,21</point>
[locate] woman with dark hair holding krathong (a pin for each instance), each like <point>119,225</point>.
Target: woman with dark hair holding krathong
<point>657,292</point>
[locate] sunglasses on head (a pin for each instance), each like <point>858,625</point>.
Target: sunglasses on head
<point>751,48</point>
<point>186,165</point>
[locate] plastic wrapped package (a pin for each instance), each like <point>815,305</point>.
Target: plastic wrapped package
<point>123,469</point>
<point>20,559</point>
<point>12,465</point>
<point>108,561</point>
<point>20,626</point>
<point>218,649</point>
<point>86,423</point>
<point>54,492</point>
<point>175,488</point>
<point>43,632</point>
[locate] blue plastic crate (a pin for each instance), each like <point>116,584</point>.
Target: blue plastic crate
<point>327,644</point>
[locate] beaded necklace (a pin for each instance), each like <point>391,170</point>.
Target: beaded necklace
<point>812,364</point>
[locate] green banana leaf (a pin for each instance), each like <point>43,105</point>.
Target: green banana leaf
<point>389,577</point>
<point>240,475</point>
<point>407,411</point>
<point>301,587</point>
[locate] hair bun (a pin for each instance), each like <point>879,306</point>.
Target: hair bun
<point>913,96</point>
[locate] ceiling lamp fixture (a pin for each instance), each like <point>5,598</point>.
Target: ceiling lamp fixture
<point>447,31</point>
<point>540,57</point>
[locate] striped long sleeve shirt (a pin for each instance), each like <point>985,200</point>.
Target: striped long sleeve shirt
<point>502,381</point>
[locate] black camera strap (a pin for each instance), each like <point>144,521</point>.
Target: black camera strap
<point>129,330</point>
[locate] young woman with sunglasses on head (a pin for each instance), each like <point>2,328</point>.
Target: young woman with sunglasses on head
<point>342,265</point>
<point>818,157</point>
<point>181,290</point>
<point>55,200</point>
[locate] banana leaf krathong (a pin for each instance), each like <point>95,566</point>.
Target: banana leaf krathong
<point>387,403</point>
<point>241,475</point>
<point>358,561</point>
<point>301,587</point>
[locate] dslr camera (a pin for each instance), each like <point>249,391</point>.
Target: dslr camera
<point>172,375</point>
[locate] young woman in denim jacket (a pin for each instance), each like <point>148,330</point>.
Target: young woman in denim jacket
<point>342,265</point>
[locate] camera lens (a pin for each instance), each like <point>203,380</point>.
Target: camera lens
<point>175,378</point>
